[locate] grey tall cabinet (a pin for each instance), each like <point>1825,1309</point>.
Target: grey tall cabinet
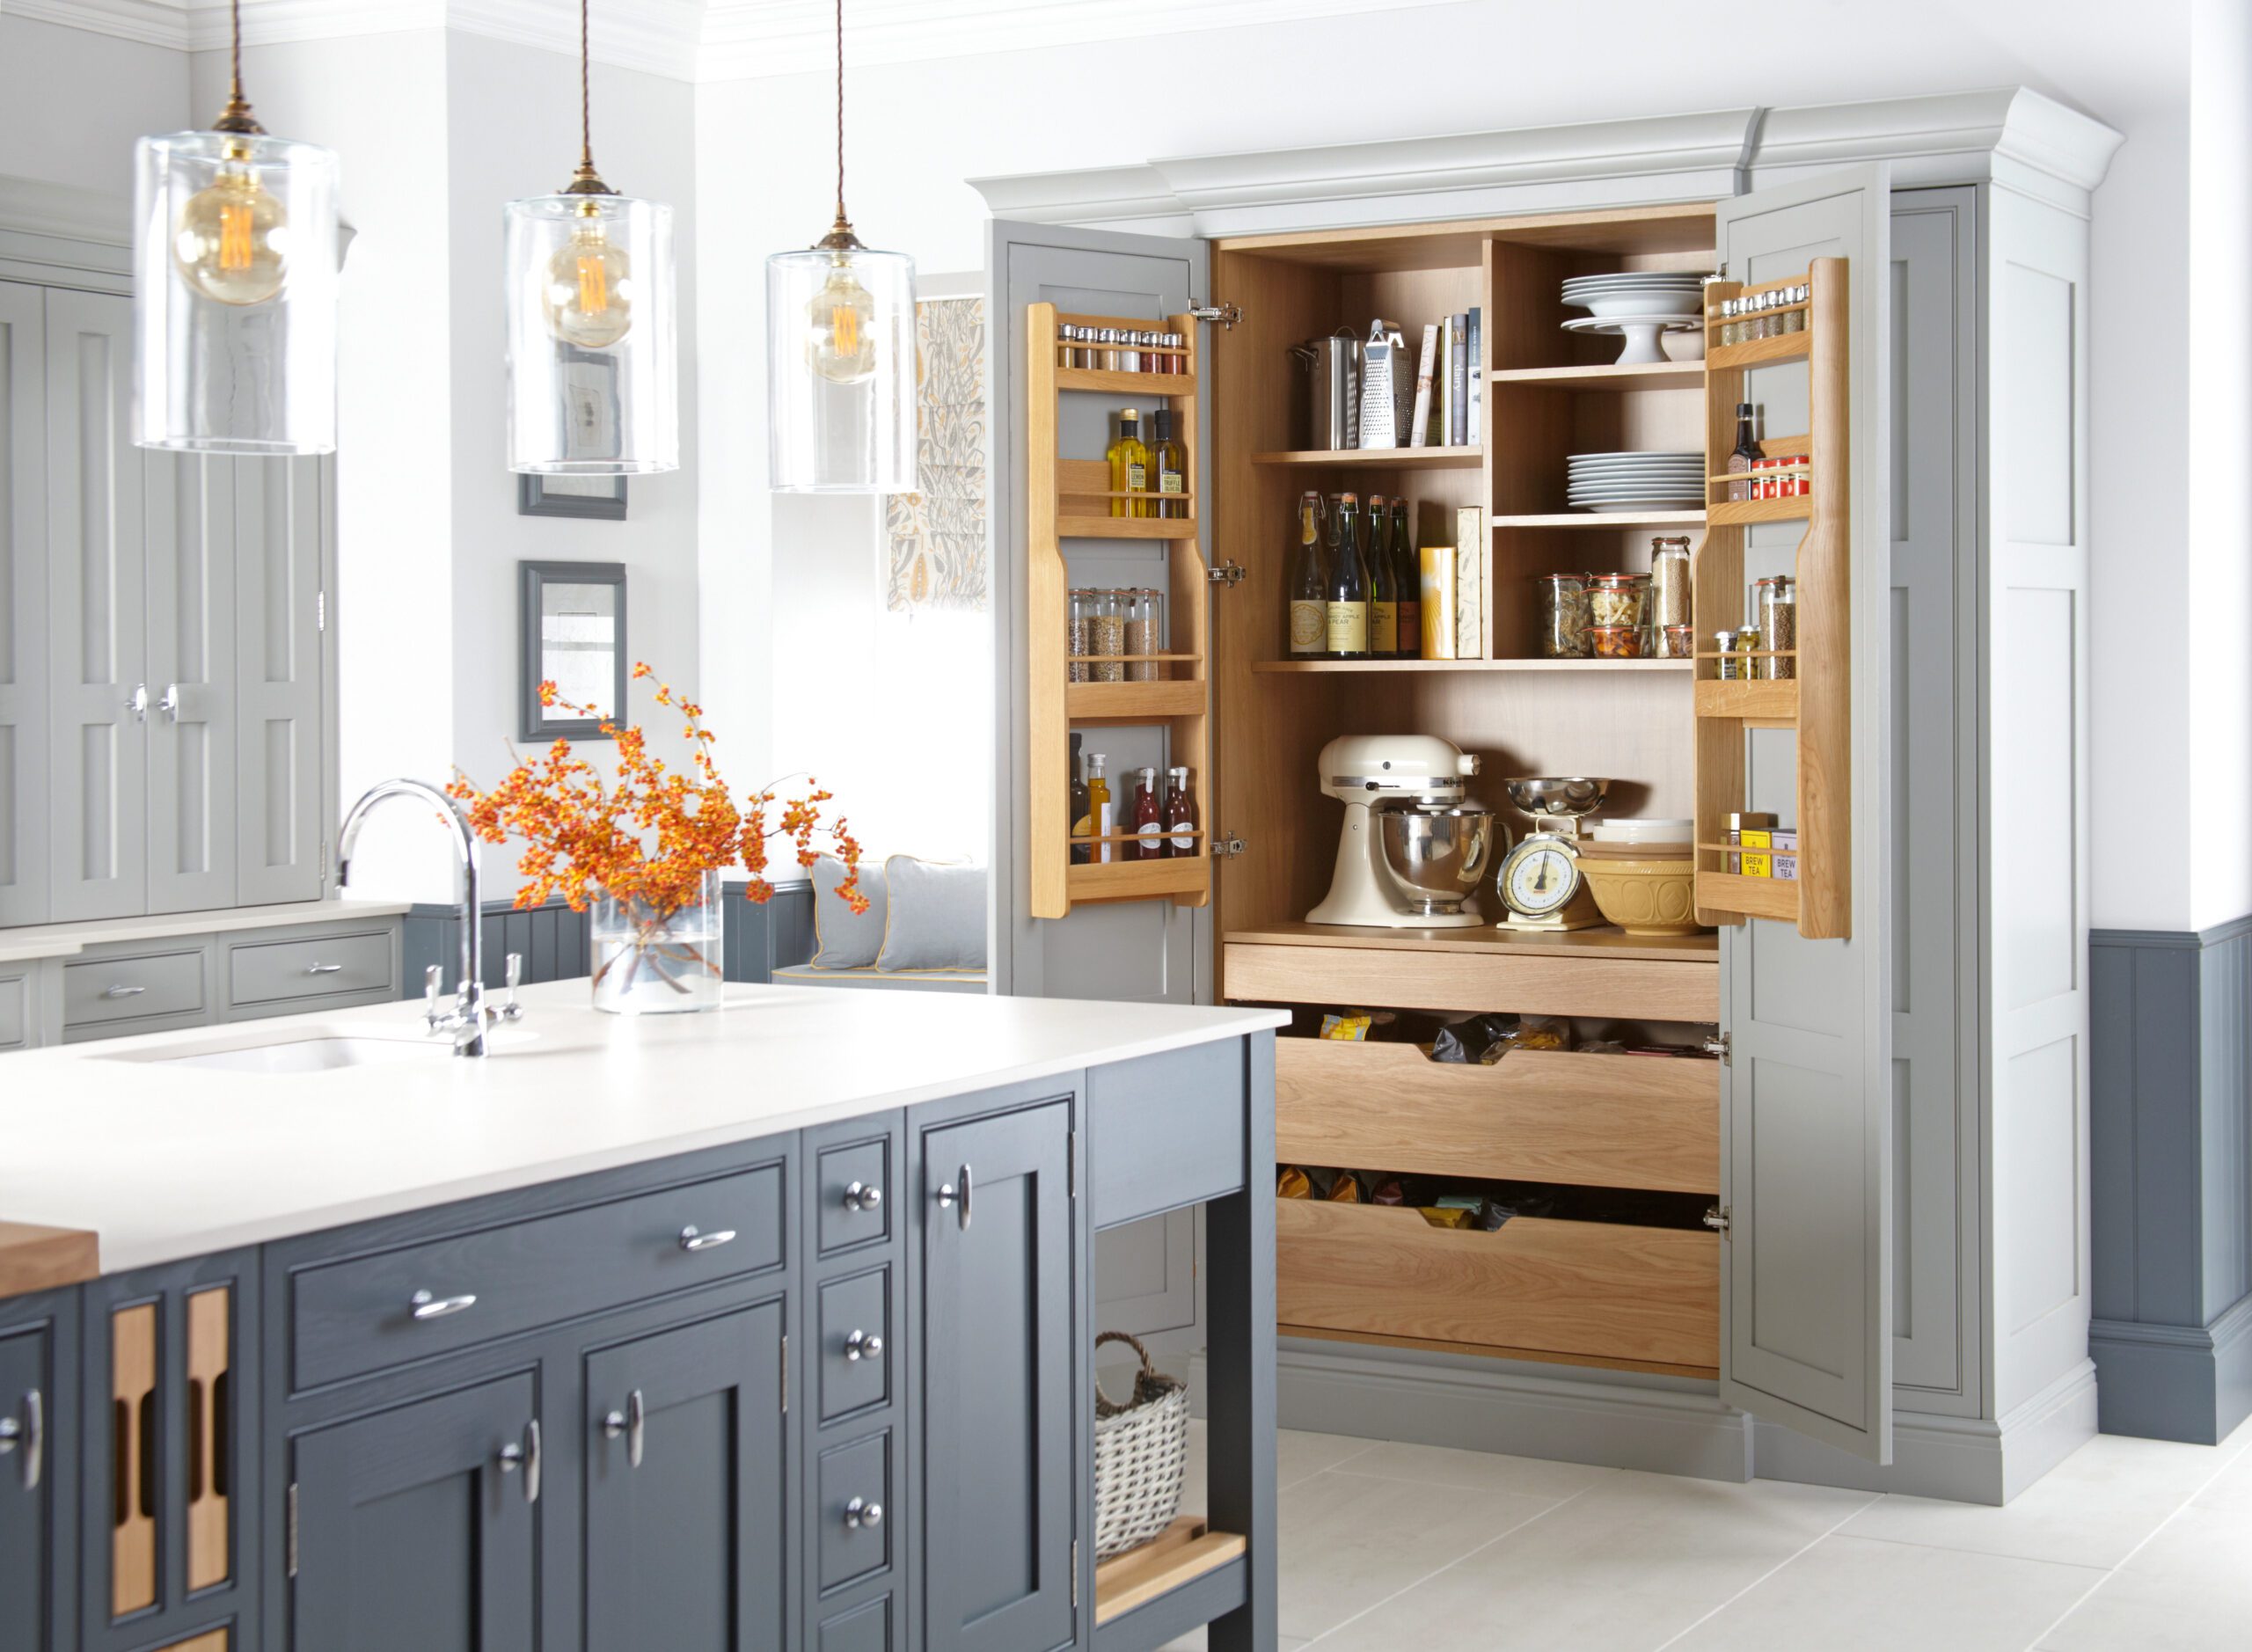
<point>162,619</point>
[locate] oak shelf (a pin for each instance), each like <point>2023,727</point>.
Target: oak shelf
<point>1126,527</point>
<point>1379,458</point>
<point>1611,376</point>
<point>1785,347</point>
<point>1297,667</point>
<point>1122,702</point>
<point>1146,384</point>
<point>1742,512</point>
<point>1759,702</point>
<point>1182,1552</point>
<point>1606,519</point>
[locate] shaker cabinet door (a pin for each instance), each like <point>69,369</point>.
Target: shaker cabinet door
<point>415,1532</point>
<point>23,604</point>
<point>1807,1094</point>
<point>687,1490</point>
<point>1000,1383</point>
<point>30,1464</point>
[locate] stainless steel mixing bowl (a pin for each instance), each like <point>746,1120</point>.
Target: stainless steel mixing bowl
<point>1438,854</point>
<point>1565,797</point>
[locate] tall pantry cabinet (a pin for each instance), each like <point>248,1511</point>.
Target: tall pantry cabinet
<point>1894,1146</point>
<point>164,701</point>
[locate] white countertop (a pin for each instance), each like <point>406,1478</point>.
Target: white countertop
<point>65,941</point>
<point>166,1161</point>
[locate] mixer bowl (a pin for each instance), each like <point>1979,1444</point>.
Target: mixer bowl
<point>1564,797</point>
<point>1438,855</point>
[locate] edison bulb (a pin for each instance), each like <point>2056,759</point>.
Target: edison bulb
<point>840,328</point>
<point>232,242</point>
<point>588,292</point>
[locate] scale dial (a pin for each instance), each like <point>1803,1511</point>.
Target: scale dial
<point>1541,876</point>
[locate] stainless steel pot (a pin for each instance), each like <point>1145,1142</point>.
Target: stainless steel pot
<point>1438,854</point>
<point>1329,391</point>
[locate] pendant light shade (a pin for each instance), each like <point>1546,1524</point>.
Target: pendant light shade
<point>593,349</point>
<point>234,289</point>
<point>840,356</point>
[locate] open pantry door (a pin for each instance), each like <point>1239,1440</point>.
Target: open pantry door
<point>1807,1094</point>
<point>1153,950</point>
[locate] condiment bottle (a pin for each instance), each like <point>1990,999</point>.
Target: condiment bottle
<point>1148,818</point>
<point>1129,466</point>
<point>1179,816</point>
<point>1082,818</point>
<point>1170,465</point>
<point>1383,592</point>
<point>1346,610</point>
<point>1407,578</point>
<point>1099,806</point>
<point>1744,455</point>
<point>1307,596</point>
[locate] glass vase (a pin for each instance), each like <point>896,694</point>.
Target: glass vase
<point>647,962</point>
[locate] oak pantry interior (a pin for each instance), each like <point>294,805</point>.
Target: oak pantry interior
<point>1893,1152</point>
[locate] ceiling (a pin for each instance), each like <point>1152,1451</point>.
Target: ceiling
<point>702,40</point>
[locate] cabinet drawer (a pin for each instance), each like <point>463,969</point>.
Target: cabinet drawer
<point>127,988</point>
<point>1600,1292</point>
<point>349,1317</point>
<point>856,1343</point>
<point>1687,989</point>
<point>853,1194</point>
<point>854,1541</point>
<point>314,968</point>
<point>865,1628</point>
<point>1535,1116</point>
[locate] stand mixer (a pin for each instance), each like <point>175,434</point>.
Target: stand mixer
<point>1413,845</point>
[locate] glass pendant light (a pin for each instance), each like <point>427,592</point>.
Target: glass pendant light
<point>840,356</point>
<point>234,288</point>
<point>593,369</point>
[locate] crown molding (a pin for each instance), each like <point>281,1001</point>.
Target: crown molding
<point>150,22</point>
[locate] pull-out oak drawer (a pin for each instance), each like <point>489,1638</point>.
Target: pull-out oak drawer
<point>1622,983</point>
<point>1600,1292</point>
<point>347,1319</point>
<point>1535,1116</point>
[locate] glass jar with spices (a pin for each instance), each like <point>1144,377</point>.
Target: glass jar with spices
<point>1142,633</point>
<point>1748,645</point>
<point>1669,602</point>
<point>1561,603</point>
<point>1618,599</point>
<point>1794,317</point>
<point>1775,600</point>
<point>1106,633</point>
<point>1724,651</point>
<point>1079,635</point>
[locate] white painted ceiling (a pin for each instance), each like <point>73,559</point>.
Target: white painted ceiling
<point>702,40</point>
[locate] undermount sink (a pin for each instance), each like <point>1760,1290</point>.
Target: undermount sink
<point>296,1052</point>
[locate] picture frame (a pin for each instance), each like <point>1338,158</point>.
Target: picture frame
<point>585,498</point>
<point>572,631</point>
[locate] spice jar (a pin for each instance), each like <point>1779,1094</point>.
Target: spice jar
<point>1748,645</point>
<point>1107,636</point>
<point>1739,824</point>
<point>1794,317</point>
<point>1669,598</point>
<point>1561,602</point>
<point>1142,634</point>
<point>1616,599</point>
<point>1776,601</point>
<point>1724,647</point>
<point>1079,635</point>
<point>1615,642</point>
<point>1673,642</point>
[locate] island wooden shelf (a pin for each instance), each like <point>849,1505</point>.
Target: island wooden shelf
<point>1379,458</point>
<point>36,1258</point>
<point>1182,1552</point>
<point>1604,941</point>
<point>1610,376</point>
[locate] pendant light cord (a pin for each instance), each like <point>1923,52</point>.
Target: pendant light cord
<point>235,58</point>
<point>840,111</point>
<point>586,93</point>
<point>236,118</point>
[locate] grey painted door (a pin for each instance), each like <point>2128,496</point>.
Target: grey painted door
<point>191,650</point>
<point>282,509</point>
<point>1806,1294</point>
<point>23,604</point>
<point>97,668</point>
<point>684,1547</point>
<point>411,1531</point>
<point>1144,950</point>
<point>1001,1382</point>
<point>26,1494</point>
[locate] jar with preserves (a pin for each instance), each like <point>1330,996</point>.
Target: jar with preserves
<point>1674,642</point>
<point>1562,609</point>
<point>1615,642</point>
<point>1748,645</point>
<point>1776,602</point>
<point>1618,599</point>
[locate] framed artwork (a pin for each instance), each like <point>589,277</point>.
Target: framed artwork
<point>573,634</point>
<point>590,498</point>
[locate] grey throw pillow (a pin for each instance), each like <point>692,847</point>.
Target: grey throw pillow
<point>842,940</point>
<point>936,916</point>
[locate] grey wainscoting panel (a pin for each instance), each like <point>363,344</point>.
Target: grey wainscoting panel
<point>2171,1169</point>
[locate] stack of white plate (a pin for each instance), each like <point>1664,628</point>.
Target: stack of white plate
<point>1638,295</point>
<point>1636,481</point>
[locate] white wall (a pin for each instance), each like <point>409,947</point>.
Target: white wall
<point>918,131</point>
<point>72,103</point>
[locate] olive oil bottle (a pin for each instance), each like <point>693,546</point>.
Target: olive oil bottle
<point>1129,466</point>
<point>1170,466</point>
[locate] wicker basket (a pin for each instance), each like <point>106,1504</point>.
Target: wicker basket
<point>1141,1453</point>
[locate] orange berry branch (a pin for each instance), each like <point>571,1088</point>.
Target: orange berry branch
<point>583,837</point>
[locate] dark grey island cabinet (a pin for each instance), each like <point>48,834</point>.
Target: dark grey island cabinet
<point>826,1389</point>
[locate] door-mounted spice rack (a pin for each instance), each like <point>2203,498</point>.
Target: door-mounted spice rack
<point>1074,499</point>
<point>1804,688</point>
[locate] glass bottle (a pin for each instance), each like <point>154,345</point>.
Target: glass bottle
<point>1384,591</point>
<point>1082,818</point>
<point>1179,816</point>
<point>1346,598</point>
<point>1170,465</point>
<point>1408,576</point>
<point>1130,465</point>
<point>1308,585</point>
<point>1746,453</point>
<point>1148,819</point>
<point>1098,807</point>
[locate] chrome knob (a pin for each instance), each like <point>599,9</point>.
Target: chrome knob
<point>863,1345</point>
<point>526,1456</point>
<point>631,1422</point>
<point>863,1196</point>
<point>861,1516</point>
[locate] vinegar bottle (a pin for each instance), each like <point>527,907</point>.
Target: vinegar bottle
<point>1099,806</point>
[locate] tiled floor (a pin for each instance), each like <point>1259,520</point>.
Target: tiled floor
<point>2130,1545</point>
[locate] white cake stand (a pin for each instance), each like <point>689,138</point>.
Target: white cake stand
<point>1641,333</point>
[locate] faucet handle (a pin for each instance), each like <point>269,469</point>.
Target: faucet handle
<point>433,981</point>
<point>510,1010</point>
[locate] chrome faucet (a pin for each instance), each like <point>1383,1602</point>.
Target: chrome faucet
<point>466,1020</point>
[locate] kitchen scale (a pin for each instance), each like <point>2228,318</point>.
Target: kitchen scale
<point>1539,880</point>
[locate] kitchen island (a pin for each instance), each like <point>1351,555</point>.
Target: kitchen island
<point>769,1326</point>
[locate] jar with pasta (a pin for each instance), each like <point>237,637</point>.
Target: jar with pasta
<point>1618,599</point>
<point>1560,606</point>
